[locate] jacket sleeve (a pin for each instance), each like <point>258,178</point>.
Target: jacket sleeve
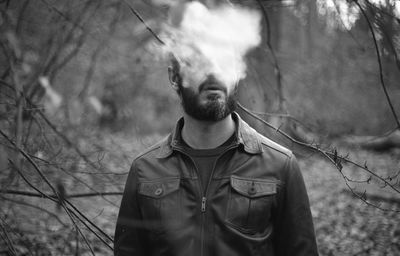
<point>129,228</point>
<point>294,227</point>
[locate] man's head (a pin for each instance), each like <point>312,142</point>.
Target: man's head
<point>207,49</point>
<point>203,97</point>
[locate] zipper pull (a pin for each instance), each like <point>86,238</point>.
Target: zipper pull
<point>203,204</point>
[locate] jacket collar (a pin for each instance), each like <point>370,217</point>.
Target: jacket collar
<point>245,135</point>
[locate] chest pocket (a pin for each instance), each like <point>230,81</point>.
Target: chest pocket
<point>250,203</point>
<point>160,204</point>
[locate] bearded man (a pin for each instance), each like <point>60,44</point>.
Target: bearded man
<point>214,186</point>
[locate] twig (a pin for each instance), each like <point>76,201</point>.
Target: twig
<point>287,116</point>
<point>36,207</point>
<point>383,29</point>
<point>277,69</point>
<point>378,55</point>
<point>334,158</point>
<point>41,194</point>
<point>144,23</point>
<point>68,141</point>
<point>66,201</point>
<point>22,240</point>
<point>60,200</point>
<point>61,14</point>
<point>329,155</point>
<point>77,179</point>
<point>385,182</point>
<point>32,194</point>
<point>91,223</point>
<point>383,11</point>
<point>52,61</point>
<point>11,248</point>
<point>377,197</point>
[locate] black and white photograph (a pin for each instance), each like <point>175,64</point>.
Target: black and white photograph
<point>200,127</point>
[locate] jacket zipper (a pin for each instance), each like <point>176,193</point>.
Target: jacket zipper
<point>205,196</point>
<point>203,204</point>
<point>204,192</point>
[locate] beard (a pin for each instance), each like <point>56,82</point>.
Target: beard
<point>214,109</point>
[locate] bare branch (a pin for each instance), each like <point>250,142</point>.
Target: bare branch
<point>277,69</point>
<point>6,238</point>
<point>35,207</point>
<point>288,116</point>
<point>334,158</point>
<point>69,211</point>
<point>61,14</point>
<point>378,55</point>
<point>60,200</point>
<point>144,23</point>
<point>389,40</point>
<point>31,194</point>
<point>76,178</point>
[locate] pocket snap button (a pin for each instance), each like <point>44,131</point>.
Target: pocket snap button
<point>252,190</point>
<point>158,191</point>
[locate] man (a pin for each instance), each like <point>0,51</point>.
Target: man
<point>214,186</point>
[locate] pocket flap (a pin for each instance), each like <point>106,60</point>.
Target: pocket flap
<point>251,187</point>
<point>160,188</point>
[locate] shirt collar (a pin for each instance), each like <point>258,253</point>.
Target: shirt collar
<point>245,135</point>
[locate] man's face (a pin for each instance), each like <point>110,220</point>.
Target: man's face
<point>208,99</point>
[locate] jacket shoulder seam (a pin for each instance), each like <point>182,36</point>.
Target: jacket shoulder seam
<point>151,149</point>
<point>275,146</point>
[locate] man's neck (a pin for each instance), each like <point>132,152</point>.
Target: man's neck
<point>206,135</point>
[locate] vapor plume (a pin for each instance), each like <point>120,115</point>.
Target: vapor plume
<point>212,41</point>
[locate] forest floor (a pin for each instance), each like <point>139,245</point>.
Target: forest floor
<point>344,224</point>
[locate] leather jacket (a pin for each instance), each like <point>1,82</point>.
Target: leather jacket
<point>255,203</point>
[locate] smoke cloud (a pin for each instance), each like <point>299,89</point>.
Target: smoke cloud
<point>212,41</point>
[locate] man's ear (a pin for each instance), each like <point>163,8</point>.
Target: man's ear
<point>173,76</point>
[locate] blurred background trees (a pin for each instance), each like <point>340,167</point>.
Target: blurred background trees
<point>82,91</point>
<point>329,69</point>
<point>96,53</point>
